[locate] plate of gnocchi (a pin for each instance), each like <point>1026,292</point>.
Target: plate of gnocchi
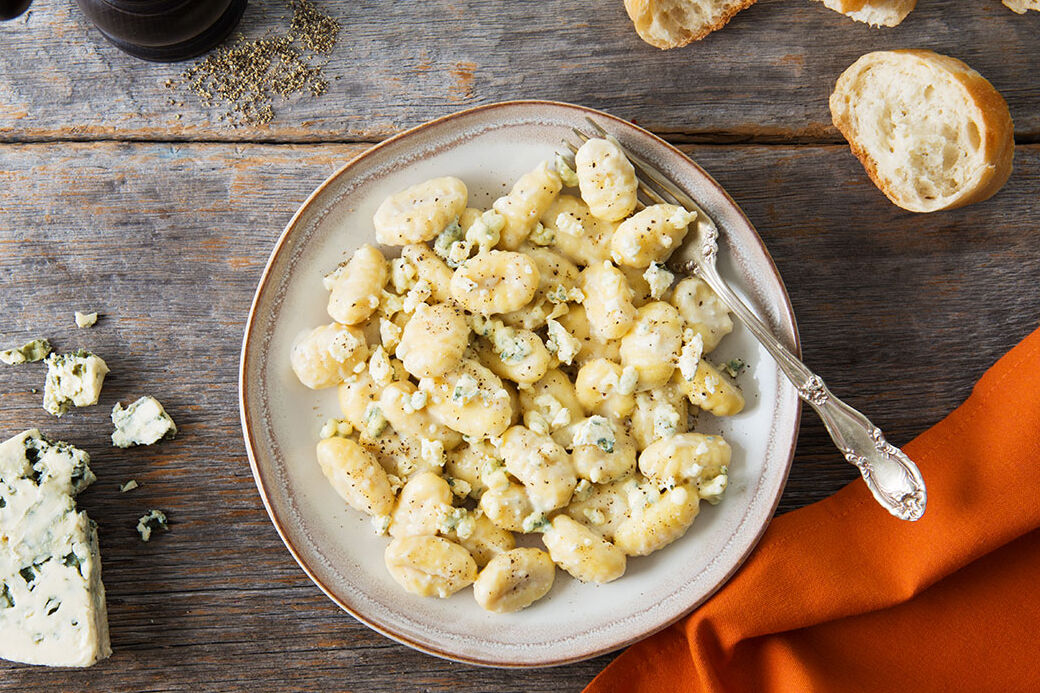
<point>485,416</point>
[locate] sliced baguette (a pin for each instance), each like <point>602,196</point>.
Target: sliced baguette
<point>1020,6</point>
<point>931,132</point>
<point>874,12</point>
<point>675,23</point>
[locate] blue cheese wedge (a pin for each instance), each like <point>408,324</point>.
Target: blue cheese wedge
<point>52,601</point>
<point>36,350</point>
<point>73,379</point>
<point>142,423</point>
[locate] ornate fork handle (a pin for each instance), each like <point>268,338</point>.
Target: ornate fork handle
<point>890,475</point>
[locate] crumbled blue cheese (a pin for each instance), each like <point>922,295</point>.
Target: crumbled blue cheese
<point>628,380</point>
<point>344,346</point>
<point>486,231</point>
<point>641,495</point>
<point>431,452</point>
<point>30,352</point>
<point>561,342</point>
<point>658,279</point>
<point>457,520</point>
<point>447,243</point>
<point>582,491</point>
<point>375,422</point>
<point>380,524</point>
<point>389,334</point>
<point>690,354</point>
<point>570,224</point>
<point>415,402</point>
<point>85,319</point>
<point>416,295</point>
<point>336,428</point>
<point>565,172</point>
<point>734,367</point>
<point>493,474</point>
<point>535,522</point>
<point>403,275</point>
<point>142,423</point>
<point>379,367</point>
<point>396,483</point>
<point>682,218</point>
<point>74,378</point>
<point>542,235</point>
<point>561,294</point>
<point>666,420</point>
<point>390,304</point>
<point>466,388</point>
<point>52,601</point>
<point>129,486</point>
<point>459,487</point>
<point>555,414</point>
<point>713,489</point>
<point>152,522</point>
<point>595,430</point>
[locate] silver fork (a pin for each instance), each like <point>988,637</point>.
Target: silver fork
<point>890,475</point>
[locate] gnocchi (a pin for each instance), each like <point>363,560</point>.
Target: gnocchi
<point>531,368</point>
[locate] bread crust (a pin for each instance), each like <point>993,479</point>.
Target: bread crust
<point>996,132</point>
<point>642,13</point>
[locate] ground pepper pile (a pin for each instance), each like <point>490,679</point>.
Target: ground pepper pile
<point>248,75</point>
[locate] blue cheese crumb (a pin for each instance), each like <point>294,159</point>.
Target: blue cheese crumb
<point>144,422</point>
<point>73,379</point>
<point>85,319</point>
<point>535,522</point>
<point>595,430</point>
<point>466,388</point>
<point>30,352</point>
<point>155,520</point>
<point>129,486</point>
<point>658,279</point>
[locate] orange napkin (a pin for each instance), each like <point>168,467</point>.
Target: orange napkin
<point>840,596</point>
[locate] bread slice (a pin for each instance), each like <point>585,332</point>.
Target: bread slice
<point>675,23</point>
<point>931,132</point>
<point>1020,6</point>
<point>874,12</point>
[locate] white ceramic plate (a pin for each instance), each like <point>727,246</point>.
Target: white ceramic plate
<point>489,147</point>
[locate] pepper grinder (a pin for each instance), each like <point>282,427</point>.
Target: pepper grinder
<point>157,30</point>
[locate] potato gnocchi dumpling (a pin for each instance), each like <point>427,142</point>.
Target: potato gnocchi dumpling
<point>533,368</point>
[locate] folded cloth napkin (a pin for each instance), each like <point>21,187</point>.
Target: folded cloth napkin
<point>840,596</point>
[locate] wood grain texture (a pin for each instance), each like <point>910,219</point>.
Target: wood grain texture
<point>900,313</point>
<point>765,77</point>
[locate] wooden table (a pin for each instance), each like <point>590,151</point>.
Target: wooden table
<point>161,217</point>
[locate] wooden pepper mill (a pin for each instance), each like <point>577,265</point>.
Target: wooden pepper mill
<point>158,30</point>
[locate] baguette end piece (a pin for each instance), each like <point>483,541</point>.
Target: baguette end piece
<point>669,24</point>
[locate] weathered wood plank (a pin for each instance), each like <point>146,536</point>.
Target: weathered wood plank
<point>899,312</point>
<point>765,77</point>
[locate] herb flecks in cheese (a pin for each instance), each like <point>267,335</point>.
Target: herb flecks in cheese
<point>85,319</point>
<point>142,423</point>
<point>595,430</point>
<point>73,379</point>
<point>52,602</point>
<point>30,352</point>
<point>153,521</point>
